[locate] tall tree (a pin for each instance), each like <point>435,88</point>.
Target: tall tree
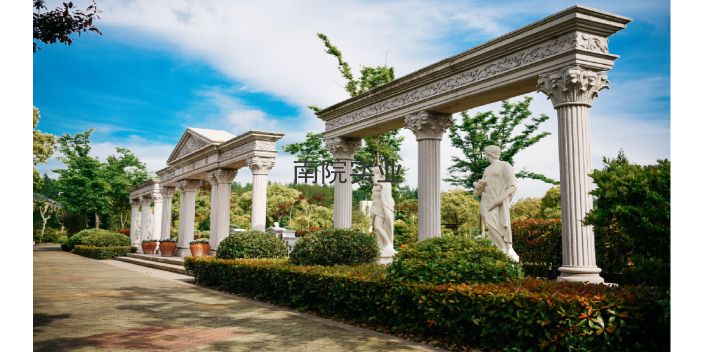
<point>377,149</point>
<point>473,134</point>
<point>58,25</point>
<point>123,171</point>
<point>43,148</point>
<point>313,148</point>
<point>83,184</point>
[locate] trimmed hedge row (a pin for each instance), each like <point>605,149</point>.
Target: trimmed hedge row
<point>539,245</point>
<point>525,315</point>
<point>102,252</point>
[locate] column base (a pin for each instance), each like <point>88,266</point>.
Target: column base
<point>182,252</point>
<point>581,274</point>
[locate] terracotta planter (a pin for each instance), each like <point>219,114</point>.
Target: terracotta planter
<point>200,249</point>
<point>167,249</point>
<point>149,247</point>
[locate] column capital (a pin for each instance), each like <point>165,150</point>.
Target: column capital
<point>188,185</point>
<point>157,198</point>
<point>428,124</point>
<point>135,203</point>
<point>145,201</point>
<point>343,148</point>
<point>168,192</point>
<point>225,176</point>
<point>572,85</point>
<point>259,165</point>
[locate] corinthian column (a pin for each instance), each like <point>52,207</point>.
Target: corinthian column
<point>145,202</point>
<point>428,126</point>
<point>572,91</point>
<point>133,224</point>
<point>213,205</point>
<point>260,171</point>
<point>343,149</point>
<point>187,215</point>
<point>158,212</point>
<point>221,228</point>
<point>168,194</point>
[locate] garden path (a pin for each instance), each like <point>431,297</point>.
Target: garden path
<point>83,304</point>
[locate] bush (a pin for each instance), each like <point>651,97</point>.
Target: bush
<point>335,247</point>
<point>453,259</point>
<point>107,239</point>
<point>79,238</point>
<point>62,239</point>
<point>251,244</point>
<point>404,234</point>
<point>526,315</point>
<point>103,252</point>
<point>539,245</point>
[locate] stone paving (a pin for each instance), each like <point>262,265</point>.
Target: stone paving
<point>83,304</point>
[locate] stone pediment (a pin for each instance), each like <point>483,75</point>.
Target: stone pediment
<point>196,139</point>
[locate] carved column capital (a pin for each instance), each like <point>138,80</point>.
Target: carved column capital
<point>260,166</point>
<point>188,185</point>
<point>135,203</point>
<point>157,197</point>
<point>225,176</point>
<point>145,200</point>
<point>343,148</point>
<point>168,192</point>
<point>428,124</point>
<point>572,85</point>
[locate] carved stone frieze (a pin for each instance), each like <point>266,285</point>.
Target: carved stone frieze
<point>572,85</point>
<point>428,124</point>
<point>168,176</point>
<point>168,192</point>
<point>343,148</point>
<point>192,144</point>
<point>259,165</point>
<point>256,145</point>
<point>533,54</point>
<point>188,185</point>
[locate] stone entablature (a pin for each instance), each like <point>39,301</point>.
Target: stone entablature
<point>500,68</point>
<point>147,189</point>
<point>192,159</point>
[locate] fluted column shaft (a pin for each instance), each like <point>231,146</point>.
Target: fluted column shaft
<point>213,206</point>
<point>429,127</point>
<point>158,212</point>
<point>572,91</point>
<point>145,202</point>
<point>343,150</point>
<point>220,228</point>
<point>168,196</point>
<point>133,223</point>
<point>260,171</point>
<point>187,214</point>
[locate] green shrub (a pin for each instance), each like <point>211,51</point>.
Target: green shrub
<point>526,315</point>
<point>539,245</point>
<point>103,252</point>
<point>62,239</point>
<point>404,234</point>
<point>251,244</point>
<point>453,259</point>
<point>335,247</point>
<point>80,237</point>
<point>107,239</point>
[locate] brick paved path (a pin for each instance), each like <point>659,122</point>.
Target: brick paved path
<point>82,304</point>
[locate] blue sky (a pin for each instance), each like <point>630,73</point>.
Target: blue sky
<point>162,66</point>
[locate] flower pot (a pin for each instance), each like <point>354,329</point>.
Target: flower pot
<point>149,247</point>
<point>200,249</point>
<point>167,249</point>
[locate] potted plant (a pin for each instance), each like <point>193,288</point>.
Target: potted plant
<point>200,248</point>
<point>149,246</point>
<point>167,247</point>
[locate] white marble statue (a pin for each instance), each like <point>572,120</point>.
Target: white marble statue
<point>497,188</point>
<point>150,224</point>
<point>382,214</point>
<point>137,230</point>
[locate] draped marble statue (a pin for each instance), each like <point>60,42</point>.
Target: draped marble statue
<point>496,189</point>
<point>150,225</point>
<point>137,230</point>
<point>382,214</point>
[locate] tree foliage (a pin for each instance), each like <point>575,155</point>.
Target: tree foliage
<point>123,171</point>
<point>473,134</point>
<point>459,207</point>
<point>43,149</point>
<point>313,148</point>
<point>57,25</point>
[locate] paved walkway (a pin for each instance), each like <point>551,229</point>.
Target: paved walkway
<point>83,304</point>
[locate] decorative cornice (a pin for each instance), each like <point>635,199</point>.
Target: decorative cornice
<point>258,145</point>
<point>572,85</point>
<point>259,165</point>
<point>343,148</point>
<point>428,124</point>
<point>168,192</point>
<point>533,54</point>
<point>188,185</point>
<point>168,176</point>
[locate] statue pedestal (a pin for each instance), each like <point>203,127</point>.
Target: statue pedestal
<point>385,260</point>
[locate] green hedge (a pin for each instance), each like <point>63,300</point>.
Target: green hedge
<point>538,243</point>
<point>251,244</point>
<point>335,247</point>
<point>527,315</point>
<point>102,252</point>
<point>107,239</point>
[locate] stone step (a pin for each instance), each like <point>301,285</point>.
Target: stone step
<point>157,258</point>
<point>174,268</point>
